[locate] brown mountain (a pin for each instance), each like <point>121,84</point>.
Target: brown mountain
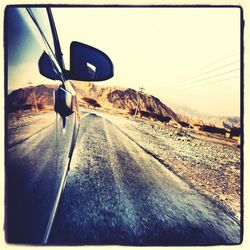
<point>114,98</point>
<point>23,98</point>
<point>122,98</point>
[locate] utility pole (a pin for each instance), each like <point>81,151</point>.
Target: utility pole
<point>138,100</point>
<point>34,96</point>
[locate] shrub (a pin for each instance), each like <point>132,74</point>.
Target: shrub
<point>184,124</point>
<point>159,117</point>
<point>235,132</point>
<point>131,111</point>
<point>91,102</point>
<point>144,113</point>
<point>16,108</point>
<point>213,129</point>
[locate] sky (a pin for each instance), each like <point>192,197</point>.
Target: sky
<point>184,56</point>
<point>160,47</point>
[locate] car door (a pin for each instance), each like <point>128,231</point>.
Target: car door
<point>42,118</point>
<point>39,140</point>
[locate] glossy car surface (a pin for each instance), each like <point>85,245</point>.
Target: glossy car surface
<point>42,116</point>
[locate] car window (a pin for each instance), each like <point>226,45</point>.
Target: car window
<point>41,16</point>
<point>24,50</point>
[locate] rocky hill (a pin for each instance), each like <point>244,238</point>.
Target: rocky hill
<point>23,98</point>
<point>122,98</point>
<point>114,98</point>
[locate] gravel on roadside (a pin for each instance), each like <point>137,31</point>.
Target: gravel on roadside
<point>211,166</point>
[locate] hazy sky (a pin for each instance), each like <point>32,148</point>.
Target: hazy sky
<point>159,48</point>
<point>188,56</point>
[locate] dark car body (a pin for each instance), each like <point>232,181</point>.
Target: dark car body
<point>42,118</point>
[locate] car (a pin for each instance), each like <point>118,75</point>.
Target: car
<point>43,117</point>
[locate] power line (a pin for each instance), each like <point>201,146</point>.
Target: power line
<point>203,79</point>
<point>207,83</point>
<point>191,76</point>
<point>204,73</point>
<point>18,82</point>
<point>12,81</point>
<point>225,57</point>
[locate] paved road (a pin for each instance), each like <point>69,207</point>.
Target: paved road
<point>117,194</point>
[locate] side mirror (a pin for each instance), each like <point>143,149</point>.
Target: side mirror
<point>88,63</point>
<point>63,102</point>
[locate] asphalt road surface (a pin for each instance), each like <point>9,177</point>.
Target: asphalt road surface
<point>115,193</point>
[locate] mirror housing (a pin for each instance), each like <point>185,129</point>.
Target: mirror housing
<point>86,64</point>
<point>89,64</point>
<point>47,67</point>
<point>63,102</point>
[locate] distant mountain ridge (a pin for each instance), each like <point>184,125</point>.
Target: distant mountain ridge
<point>23,98</point>
<point>107,97</point>
<point>194,117</point>
<point>123,99</point>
